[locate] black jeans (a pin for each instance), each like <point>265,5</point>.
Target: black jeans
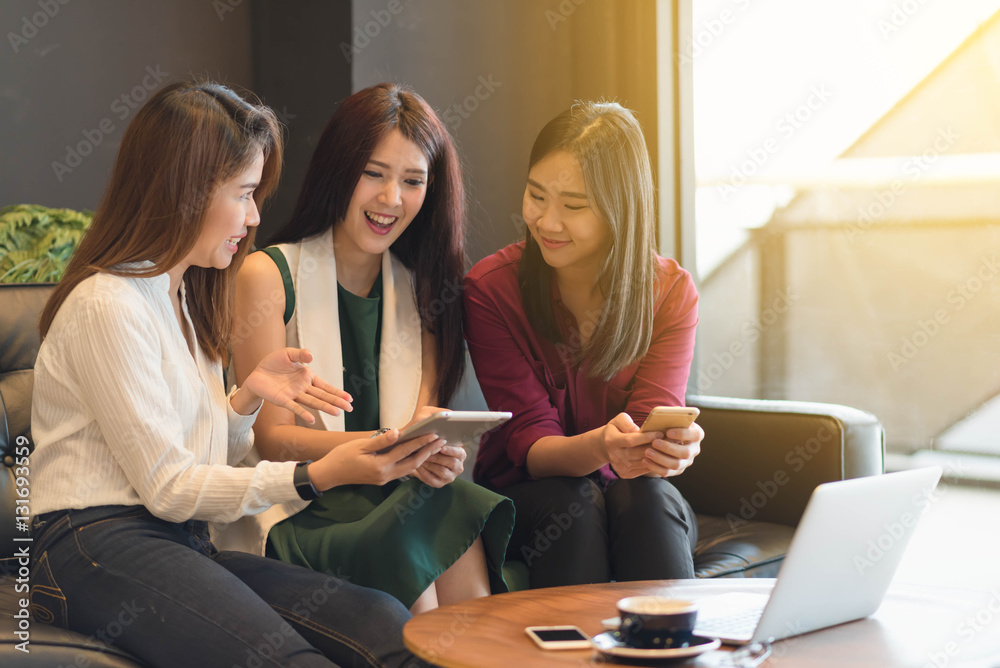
<point>570,531</point>
<point>162,592</point>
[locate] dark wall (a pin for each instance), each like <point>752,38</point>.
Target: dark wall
<point>300,71</point>
<point>78,78</point>
<point>62,110</point>
<point>495,71</point>
<point>498,71</point>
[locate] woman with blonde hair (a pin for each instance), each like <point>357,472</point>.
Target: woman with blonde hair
<point>580,331</point>
<point>137,441</point>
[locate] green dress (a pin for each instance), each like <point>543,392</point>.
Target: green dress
<point>399,537</point>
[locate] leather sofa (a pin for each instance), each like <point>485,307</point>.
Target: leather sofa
<point>759,463</point>
<point>20,308</point>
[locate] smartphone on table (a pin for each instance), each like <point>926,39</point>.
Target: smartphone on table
<point>558,637</point>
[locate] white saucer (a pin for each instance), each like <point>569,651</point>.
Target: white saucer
<point>610,644</point>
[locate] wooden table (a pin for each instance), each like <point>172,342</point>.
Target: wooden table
<point>917,626</point>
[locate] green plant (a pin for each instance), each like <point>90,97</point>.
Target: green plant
<point>36,242</point>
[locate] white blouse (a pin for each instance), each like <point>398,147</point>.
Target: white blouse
<point>123,414</point>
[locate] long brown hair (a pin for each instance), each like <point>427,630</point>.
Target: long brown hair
<point>607,141</point>
<point>432,246</point>
<point>183,143</point>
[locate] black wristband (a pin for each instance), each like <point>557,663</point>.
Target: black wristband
<point>303,485</point>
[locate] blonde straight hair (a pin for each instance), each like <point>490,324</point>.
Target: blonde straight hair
<point>608,142</point>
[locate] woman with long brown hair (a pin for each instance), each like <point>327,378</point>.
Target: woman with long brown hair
<point>367,274</point>
<point>137,440</point>
<point>580,331</point>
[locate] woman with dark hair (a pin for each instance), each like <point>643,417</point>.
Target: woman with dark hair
<point>137,440</point>
<point>580,331</point>
<point>367,273</point>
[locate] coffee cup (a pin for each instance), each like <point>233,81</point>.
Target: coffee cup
<point>656,622</point>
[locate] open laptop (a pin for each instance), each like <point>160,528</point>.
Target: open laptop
<point>841,561</point>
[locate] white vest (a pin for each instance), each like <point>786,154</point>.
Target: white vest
<point>315,325</point>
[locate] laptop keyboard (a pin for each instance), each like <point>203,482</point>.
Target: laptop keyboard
<point>733,616</point>
<point>741,625</point>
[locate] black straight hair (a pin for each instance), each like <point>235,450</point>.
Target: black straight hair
<point>432,247</point>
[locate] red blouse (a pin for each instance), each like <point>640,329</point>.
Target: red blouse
<point>522,372</point>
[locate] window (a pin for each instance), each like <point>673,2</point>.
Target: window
<point>847,210</point>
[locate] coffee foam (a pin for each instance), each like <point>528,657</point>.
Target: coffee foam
<point>655,605</point>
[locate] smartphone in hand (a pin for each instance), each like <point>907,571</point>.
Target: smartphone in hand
<point>663,418</point>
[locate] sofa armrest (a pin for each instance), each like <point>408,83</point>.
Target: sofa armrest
<point>761,459</point>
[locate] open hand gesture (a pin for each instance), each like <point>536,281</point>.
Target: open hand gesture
<point>283,379</point>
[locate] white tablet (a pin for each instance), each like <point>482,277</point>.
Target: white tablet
<point>453,426</point>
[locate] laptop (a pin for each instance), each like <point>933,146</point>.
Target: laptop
<point>843,556</point>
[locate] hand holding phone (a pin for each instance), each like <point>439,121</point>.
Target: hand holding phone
<point>663,418</point>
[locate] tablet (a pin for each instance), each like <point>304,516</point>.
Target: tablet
<point>453,426</point>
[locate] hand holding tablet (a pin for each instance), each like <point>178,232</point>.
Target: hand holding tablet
<point>452,426</point>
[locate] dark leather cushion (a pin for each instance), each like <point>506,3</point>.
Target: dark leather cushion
<point>743,550</point>
<point>20,308</point>
<point>761,460</point>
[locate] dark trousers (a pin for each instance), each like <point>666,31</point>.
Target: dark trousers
<point>570,531</point>
<point>162,592</point>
